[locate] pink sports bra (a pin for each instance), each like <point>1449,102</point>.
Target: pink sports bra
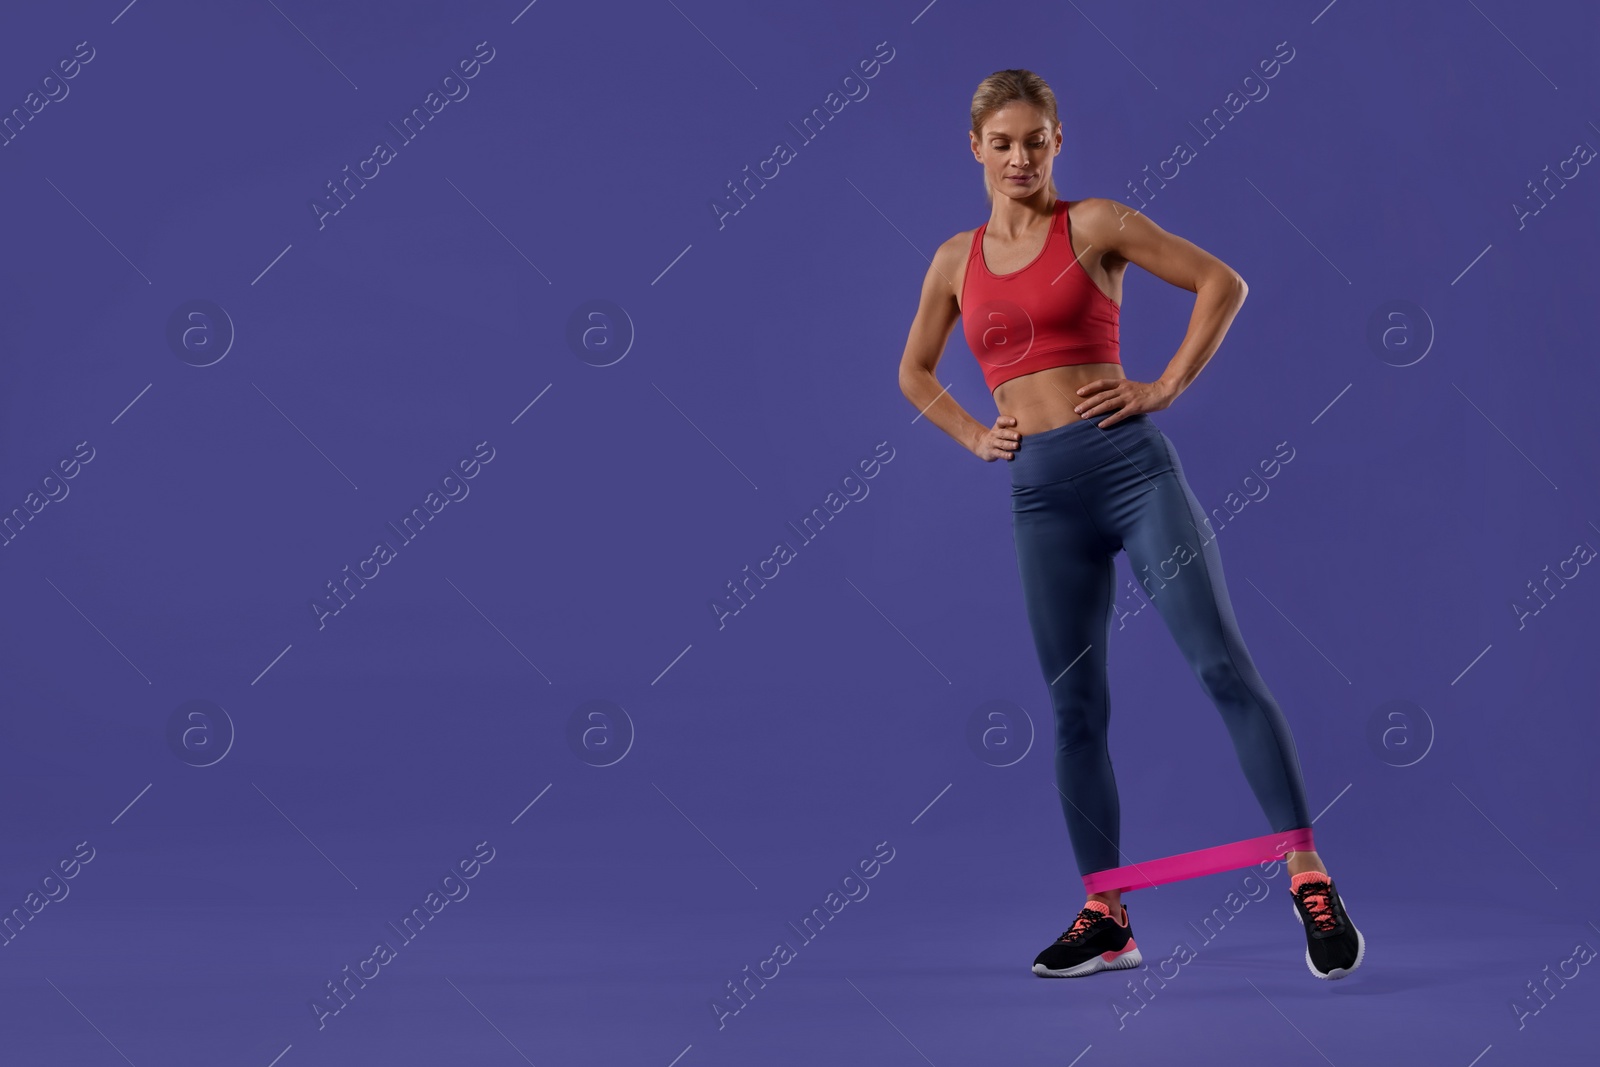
<point>1048,314</point>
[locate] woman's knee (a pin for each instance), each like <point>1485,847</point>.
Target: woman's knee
<point>1080,735</point>
<point>1223,682</point>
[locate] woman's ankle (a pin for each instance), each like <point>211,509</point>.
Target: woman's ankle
<point>1301,862</point>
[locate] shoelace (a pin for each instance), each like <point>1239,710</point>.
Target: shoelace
<point>1314,897</point>
<point>1081,925</point>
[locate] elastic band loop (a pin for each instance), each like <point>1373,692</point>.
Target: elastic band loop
<point>1196,864</point>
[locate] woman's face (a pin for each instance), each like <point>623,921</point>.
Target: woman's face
<point>1017,149</point>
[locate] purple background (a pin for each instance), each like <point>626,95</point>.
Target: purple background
<point>760,761</point>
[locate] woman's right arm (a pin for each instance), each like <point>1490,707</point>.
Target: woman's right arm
<point>937,312</point>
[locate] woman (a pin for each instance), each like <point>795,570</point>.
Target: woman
<point>1038,289</point>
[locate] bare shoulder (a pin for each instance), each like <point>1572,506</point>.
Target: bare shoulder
<point>1125,235</point>
<point>954,250</point>
<point>1101,219</point>
<point>948,265</point>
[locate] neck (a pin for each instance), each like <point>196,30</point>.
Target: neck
<point>1012,217</point>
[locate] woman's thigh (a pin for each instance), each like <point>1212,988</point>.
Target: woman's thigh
<point>1174,558</point>
<point>1065,564</point>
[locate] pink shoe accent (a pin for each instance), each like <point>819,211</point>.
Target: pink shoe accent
<point>1104,909</point>
<point>1081,923</point>
<point>1129,947</point>
<point>1316,900</point>
<point>1202,862</point>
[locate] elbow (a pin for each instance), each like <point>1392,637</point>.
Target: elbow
<point>1223,281</point>
<point>1229,287</point>
<point>910,374</point>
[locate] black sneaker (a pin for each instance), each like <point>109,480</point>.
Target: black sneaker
<point>1096,942</point>
<point>1334,946</point>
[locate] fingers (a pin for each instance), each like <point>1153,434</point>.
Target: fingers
<point>1119,413</point>
<point>996,433</point>
<point>1001,444</point>
<point>1098,401</point>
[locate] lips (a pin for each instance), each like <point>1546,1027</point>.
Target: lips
<point>1019,177</point>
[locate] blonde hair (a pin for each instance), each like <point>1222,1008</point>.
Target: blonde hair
<point>1010,86</point>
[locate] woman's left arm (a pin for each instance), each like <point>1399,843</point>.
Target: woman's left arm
<point>1121,233</point>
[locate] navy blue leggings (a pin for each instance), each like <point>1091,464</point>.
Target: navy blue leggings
<point>1079,494</point>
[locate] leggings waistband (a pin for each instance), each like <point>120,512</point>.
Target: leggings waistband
<point>1076,447</point>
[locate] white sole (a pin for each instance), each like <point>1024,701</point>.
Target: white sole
<point>1091,965</point>
<point>1337,972</point>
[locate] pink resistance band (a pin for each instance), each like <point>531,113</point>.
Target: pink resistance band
<point>1195,864</point>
